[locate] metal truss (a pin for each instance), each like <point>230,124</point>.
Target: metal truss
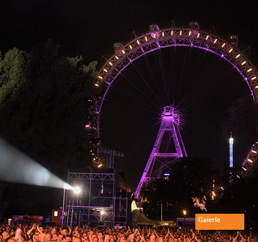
<point>160,158</point>
<point>192,37</point>
<point>91,176</point>
<point>100,202</point>
<point>110,156</point>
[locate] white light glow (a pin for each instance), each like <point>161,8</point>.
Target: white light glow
<point>67,187</point>
<point>77,190</point>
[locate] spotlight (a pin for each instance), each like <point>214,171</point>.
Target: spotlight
<point>77,190</point>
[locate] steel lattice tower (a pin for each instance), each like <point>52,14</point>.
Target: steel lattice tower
<point>167,149</point>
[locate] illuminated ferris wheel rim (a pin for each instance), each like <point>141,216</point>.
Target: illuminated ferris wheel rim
<point>157,39</point>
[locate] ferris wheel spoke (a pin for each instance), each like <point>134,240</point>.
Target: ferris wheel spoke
<point>139,90</point>
<point>158,93</point>
<point>161,64</point>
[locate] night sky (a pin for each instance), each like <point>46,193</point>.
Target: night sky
<point>201,85</point>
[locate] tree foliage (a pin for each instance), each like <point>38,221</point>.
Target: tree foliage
<point>13,75</point>
<point>44,102</point>
<point>190,177</point>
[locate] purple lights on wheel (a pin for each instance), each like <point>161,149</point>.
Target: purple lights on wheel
<point>192,37</point>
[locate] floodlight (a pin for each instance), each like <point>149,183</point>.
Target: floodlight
<point>77,190</point>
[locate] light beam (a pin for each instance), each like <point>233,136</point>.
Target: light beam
<point>17,167</point>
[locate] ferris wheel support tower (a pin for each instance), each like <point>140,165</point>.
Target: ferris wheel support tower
<point>164,152</point>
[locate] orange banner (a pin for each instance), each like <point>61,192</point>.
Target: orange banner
<point>216,221</point>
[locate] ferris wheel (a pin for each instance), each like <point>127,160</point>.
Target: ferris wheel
<point>157,39</point>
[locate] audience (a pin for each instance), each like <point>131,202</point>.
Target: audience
<point>39,233</point>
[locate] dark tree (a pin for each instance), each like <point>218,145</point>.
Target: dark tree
<point>13,75</point>
<point>190,177</point>
<point>46,104</point>
<point>240,197</point>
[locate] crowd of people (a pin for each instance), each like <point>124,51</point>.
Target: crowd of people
<point>40,233</point>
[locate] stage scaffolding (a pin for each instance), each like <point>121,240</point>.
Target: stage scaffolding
<point>100,203</point>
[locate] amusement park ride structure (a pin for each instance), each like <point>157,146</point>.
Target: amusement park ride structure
<point>192,37</point>
<point>162,155</point>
